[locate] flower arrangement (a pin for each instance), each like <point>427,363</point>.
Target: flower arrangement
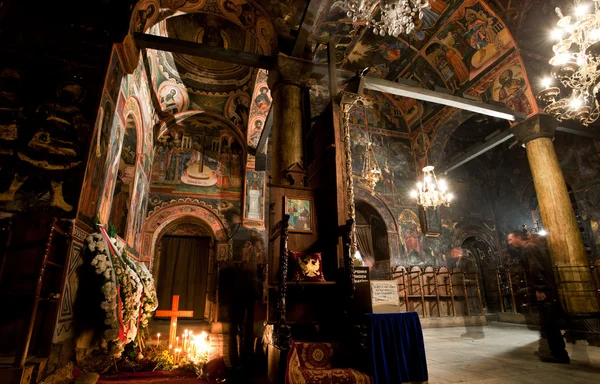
<point>128,289</point>
<point>104,266</point>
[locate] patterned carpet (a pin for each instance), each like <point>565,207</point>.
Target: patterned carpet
<point>171,377</point>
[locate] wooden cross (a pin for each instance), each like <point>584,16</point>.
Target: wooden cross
<point>174,313</point>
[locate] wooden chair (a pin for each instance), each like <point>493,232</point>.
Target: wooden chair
<point>471,284</point>
<point>399,274</point>
<point>430,290</point>
<point>415,288</point>
<point>444,286</point>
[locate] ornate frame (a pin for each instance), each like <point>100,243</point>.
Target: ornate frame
<point>311,222</point>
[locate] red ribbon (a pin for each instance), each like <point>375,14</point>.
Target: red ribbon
<point>122,331</point>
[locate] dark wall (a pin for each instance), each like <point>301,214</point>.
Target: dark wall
<point>54,57</point>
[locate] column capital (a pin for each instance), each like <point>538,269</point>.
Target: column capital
<point>289,69</point>
<point>539,125</point>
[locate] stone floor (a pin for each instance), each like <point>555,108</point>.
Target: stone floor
<point>502,353</point>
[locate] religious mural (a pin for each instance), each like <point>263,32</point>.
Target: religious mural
<point>254,208</point>
<point>411,234</point>
<point>205,159</point>
<point>112,164</point>
<point>137,211</point>
<point>507,83</point>
<point>123,187</point>
<point>199,156</point>
<point>250,246</point>
<point>99,147</point>
<point>475,36</point>
<point>393,154</point>
<point>259,109</point>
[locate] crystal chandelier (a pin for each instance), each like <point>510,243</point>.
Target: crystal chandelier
<point>576,65</point>
<point>397,16</point>
<point>371,173</point>
<point>431,193</point>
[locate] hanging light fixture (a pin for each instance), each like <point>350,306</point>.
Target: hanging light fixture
<point>431,192</point>
<point>371,173</point>
<point>397,16</point>
<point>576,65</point>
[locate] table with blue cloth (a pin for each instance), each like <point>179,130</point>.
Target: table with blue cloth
<point>397,348</point>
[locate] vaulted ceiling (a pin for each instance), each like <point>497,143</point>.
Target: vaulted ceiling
<point>483,49</point>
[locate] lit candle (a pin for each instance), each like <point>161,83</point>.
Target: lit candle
<point>177,342</point>
<point>157,339</point>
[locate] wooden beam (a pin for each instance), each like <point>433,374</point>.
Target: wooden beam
<point>265,133</point>
<point>585,132</point>
<point>144,40</point>
<point>308,22</point>
<point>423,94</point>
<point>333,80</point>
<point>477,150</point>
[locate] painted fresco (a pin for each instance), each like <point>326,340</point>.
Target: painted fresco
<point>394,157</point>
<point>172,97</point>
<point>254,207</point>
<point>378,111</point>
<point>411,235</point>
<point>96,163</point>
<point>579,156</point>
<point>123,188</point>
<point>386,56</point>
<point>198,156</point>
<point>476,36</point>
<point>259,109</point>
<point>341,35</point>
<point>236,110</point>
<point>249,246</point>
<point>110,170</point>
<point>507,83</point>
<point>137,211</point>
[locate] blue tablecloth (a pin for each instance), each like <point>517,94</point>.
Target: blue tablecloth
<point>397,348</point>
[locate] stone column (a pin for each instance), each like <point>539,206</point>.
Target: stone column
<point>564,239</point>
<point>287,82</point>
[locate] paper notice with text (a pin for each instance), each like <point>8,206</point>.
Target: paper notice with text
<point>384,292</point>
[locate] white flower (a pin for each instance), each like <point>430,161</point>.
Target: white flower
<point>100,246</point>
<point>97,235</point>
<point>89,238</point>
<point>92,246</point>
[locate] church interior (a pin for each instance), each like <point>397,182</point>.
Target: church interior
<point>297,191</point>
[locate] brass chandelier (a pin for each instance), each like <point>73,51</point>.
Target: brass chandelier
<point>575,64</point>
<point>371,173</point>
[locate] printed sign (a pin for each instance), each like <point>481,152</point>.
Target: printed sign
<point>384,292</point>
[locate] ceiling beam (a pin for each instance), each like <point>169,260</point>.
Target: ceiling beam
<point>585,132</point>
<point>477,149</point>
<point>306,26</point>
<point>264,135</point>
<point>144,40</point>
<point>381,85</point>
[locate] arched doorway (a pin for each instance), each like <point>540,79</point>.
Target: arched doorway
<point>372,240</point>
<point>484,258</point>
<point>188,218</point>
<point>182,256</point>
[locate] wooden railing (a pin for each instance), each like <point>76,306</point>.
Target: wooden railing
<point>438,292</point>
